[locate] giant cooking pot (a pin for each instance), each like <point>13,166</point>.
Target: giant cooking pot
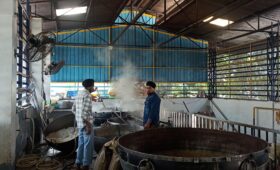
<point>101,117</point>
<point>57,124</point>
<point>105,134</point>
<point>188,148</point>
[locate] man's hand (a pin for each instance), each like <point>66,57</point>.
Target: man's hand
<point>88,127</point>
<point>94,98</point>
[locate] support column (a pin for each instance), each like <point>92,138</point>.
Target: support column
<point>272,69</point>
<point>8,121</point>
<point>36,68</point>
<point>212,85</point>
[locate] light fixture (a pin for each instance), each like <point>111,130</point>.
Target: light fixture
<point>110,47</point>
<point>208,19</point>
<point>221,22</point>
<point>71,11</point>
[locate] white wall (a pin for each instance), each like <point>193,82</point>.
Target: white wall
<point>47,80</point>
<point>7,83</point>
<point>36,67</point>
<point>242,111</point>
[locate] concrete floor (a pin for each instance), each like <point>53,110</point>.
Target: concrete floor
<point>67,161</point>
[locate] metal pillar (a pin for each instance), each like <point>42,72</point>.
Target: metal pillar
<point>28,32</point>
<point>212,86</point>
<point>272,66</point>
<point>110,47</point>
<point>20,50</point>
<point>23,71</point>
<point>272,76</point>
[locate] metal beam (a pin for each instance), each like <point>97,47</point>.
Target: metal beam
<point>250,25</point>
<point>55,7</point>
<point>70,35</point>
<point>98,36</point>
<point>174,11</point>
<point>218,108</point>
<point>196,44</point>
<point>122,6</point>
<point>88,9</point>
<point>164,12</point>
<point>147,35</point>
<point>257,14</point>
<point>36,2</point>
<point>232,6</point>
<point>249,33</point>
<point>142,47</point>
<point>271,19</point>
<point>100,23</point>
<point>242,30</point>
<point>185,6</point>
<point>139,14</point>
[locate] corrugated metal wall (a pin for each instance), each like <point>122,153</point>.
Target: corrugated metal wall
<point>87,55</point>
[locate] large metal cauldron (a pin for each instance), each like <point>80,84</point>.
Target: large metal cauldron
<point>58,113</point>
<point>61,122</point>
<point>101,117</point>
<point>103,135</point>
<point>188,148</point>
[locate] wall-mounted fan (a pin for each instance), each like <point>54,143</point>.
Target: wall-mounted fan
<point>39,46</point>
<point>54,67</point>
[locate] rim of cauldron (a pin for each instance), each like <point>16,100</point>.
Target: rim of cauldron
<point>191,159</point>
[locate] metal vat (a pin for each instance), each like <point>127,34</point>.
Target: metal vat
<point>189,148</point>
<point>101,117</point>
<point>105,134</point>
<point>59,123</point>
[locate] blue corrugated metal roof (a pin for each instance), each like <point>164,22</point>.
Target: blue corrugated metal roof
<point>140,74</point>
<point>82,56</point>
<point>105,63</point>
<point>137,57</point>
<point>80,73</point>
<point>85,37</point>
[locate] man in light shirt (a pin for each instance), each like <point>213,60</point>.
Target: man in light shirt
<point>83,114</point>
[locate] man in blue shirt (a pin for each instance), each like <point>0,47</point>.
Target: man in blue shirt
<point>152,107</point>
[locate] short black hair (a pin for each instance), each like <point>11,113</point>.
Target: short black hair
<point>151,84</point>
<point>88,82</point>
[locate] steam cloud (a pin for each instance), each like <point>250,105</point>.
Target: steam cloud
<point>126,90</point>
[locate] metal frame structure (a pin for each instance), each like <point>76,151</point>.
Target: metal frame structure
<point>231,6</point>
<point>134,20</point>
<point>259,61</point>
<point>272,65</point>
<point>241,73</point>
<point>212,85</point>
<point>23,29</point>
<point>255,29</point>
